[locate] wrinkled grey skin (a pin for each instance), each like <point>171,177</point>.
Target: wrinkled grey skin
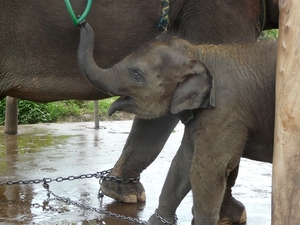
<point>38,44</point>
<point>200,21</point>
<point>229,89</point>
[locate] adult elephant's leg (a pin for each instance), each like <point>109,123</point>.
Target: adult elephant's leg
<point>144,143</point>
<point>232,210</point>
<point>177,184</point>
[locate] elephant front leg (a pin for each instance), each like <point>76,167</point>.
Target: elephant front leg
<point>176,186</point>
<point>207,196</point>
<point>211,165</point>
<point>143,145</point>
<point>232,210</point>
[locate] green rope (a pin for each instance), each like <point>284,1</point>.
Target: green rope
<point>164,19</point>
<point>76,20</point>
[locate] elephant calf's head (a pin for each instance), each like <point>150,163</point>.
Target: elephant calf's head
<point>163,77</point>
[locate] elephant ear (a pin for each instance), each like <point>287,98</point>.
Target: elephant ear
<point>196,91</point>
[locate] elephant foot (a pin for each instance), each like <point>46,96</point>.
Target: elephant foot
<point>232,212</point>
<point>131,192</point>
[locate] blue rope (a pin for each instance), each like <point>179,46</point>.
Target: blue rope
<point>164,19</point>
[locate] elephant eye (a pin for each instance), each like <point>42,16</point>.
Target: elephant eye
<point>136,75</point>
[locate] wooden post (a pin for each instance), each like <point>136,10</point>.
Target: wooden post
<point>96,114</point>
<point>11,116</point>
<point>286,161</point>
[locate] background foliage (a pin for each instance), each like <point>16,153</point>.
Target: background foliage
<point>61,111</point>
<point>271,34</point>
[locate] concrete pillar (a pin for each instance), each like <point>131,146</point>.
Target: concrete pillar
<point>96,114</point>
<point>11,116</point>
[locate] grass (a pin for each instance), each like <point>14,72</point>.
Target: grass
<point>61,111</point>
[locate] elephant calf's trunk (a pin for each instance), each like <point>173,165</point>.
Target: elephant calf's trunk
<point>97,76</point>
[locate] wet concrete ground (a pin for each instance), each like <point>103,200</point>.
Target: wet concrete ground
<point>63,150</point>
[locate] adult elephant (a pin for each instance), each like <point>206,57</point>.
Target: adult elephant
<point>38,42</point>
<point>225,96</point>
<point>38,46</point>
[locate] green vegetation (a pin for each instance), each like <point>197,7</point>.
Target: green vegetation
<point>2,112</point>
<point>270,34</point>
<point>61,111</point>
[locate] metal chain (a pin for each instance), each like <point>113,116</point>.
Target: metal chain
<point>115,179</point>
<point>99,175</point>
<point>45,206</point>
<point>101,211</point>
<point>123,180</point>
<point>163,220</point>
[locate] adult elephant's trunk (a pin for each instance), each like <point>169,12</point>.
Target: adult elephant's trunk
<point>103,79</point>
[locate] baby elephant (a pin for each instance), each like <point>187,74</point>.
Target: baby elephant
<point>225,95</point>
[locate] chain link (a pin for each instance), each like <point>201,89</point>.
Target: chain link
<point>45,206</point>
<point>122,180</point>
<point>94,209</point>
<point>99,175</point>
<point>163,220</point>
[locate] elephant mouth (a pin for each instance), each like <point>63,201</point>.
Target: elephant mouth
<point>124,103</point>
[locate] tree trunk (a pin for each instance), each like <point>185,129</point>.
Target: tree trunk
<point>11,116</point>
<point>286,161</point>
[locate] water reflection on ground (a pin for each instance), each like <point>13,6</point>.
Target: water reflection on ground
<point>63,150</point>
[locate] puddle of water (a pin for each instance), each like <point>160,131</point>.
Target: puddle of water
<point>63,150</point>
